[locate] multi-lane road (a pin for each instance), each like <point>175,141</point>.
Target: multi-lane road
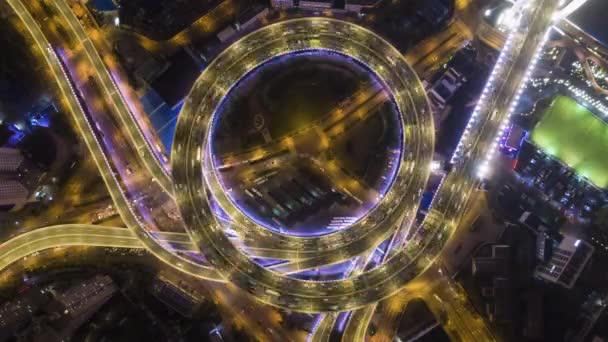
<point>103,161</point>
<point>190,148</point>
<point>493,110</point>
<point>66,235</point>
<point>504,87</point>
<point>190,143</point>
<point>151,155</point>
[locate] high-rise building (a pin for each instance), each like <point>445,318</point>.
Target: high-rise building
<point>567,262</point>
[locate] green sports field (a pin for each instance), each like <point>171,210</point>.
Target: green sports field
<point>574,135</point>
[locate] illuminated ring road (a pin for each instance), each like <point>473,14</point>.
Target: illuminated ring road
<point>195,179</point>
<point>407,262</point>
<point>409,179</point>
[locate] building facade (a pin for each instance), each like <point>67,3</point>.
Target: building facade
<point>282,4</point>
<point>567,262</point>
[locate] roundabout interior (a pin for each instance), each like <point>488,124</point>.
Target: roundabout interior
<point>307,143</point>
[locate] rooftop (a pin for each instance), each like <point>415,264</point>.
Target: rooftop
<point>591,17</point>
<point>175,82</point>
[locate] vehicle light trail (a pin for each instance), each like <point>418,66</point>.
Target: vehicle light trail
<point>195,181</point>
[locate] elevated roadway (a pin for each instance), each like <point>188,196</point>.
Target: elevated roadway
<point>67,235</point>
<point>151,155</point>
<point>88,135</point>
<point>477,147</point>
<point>364,288</point>
<point>191,150</point>
<point>134,218</point>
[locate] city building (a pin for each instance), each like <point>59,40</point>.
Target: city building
<point>10,159</point>
<point>442,90</point>
<point>247,18</point>
<point>41,115</point>
<point>354,6</point>
<point>598,232</point>
<point>14,193</point>
<point>163,19</point>
<point>419,324</point>
<point>500,306</point>
<point>531,221</point>
<point>80,298</point>
<point>435,11</point>
<point>499,15</point>
<point>496,263</point>
<point>360,6</point>
<point>227,33</point>
<point>184,300</point>
<point>544,245</point>
<point>15,314</point>
<point>315,5</point>
<point>494,275</point>
<point>567,171</point>
<point>14,135</point>
<point>79,302</point>
<point>175,82</point>
<point>312,181</point>
<point>559,184</point>
<point>282,4</point>
<point>534,321</point>
<point>513,139</point>
<point>567,262</point>
<point>589,20</point>
<point>494,25</point>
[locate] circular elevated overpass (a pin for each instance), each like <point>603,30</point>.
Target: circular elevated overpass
<point>197,182</point>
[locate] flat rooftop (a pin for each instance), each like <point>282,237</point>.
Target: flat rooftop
<point>574,135</point>
<point>175,82</point>
<point>591,17</point>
